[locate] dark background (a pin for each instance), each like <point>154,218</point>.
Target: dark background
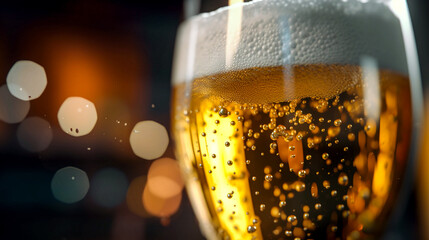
<point>133,41</point>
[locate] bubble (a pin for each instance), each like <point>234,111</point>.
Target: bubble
<point>275,212</point>
<point>160,207</point>
<point>164,179</point>
<point>306,216</point>
<point>12,109</point>
<point>108,187</point>
<point>291,218</point>
<point>325,156</point>
<point>268,177</point>
<point>251,229</point>
<point>223,112</point>
<point>337,122</point>
<point>149,140</point>
<point>302,173</point>
<point>334,131</point>
<point>326,184</point>
<point>314,190</point>
<point>299,186</point>
<point>26,80</point>
<point>318,206</point>
<point>77,116</point>
<point>69,185</point>
<point>343,179</point>
<point>351,137</point>
<point>34,134</point>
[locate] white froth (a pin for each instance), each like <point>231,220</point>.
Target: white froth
<point>284,32</point>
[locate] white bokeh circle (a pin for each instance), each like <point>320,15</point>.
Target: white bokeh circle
<point>26,80</point>
<point>77,116</point>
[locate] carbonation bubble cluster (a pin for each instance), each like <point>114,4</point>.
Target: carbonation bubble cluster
<point>309,168</point>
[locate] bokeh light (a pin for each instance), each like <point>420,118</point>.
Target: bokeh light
<point>134,196</point>
<point>34,134</point>
<point>77,116</point>
<point>160,207</point>
<point>12,109</point>
<point>26,80</point>
<point>108,187</point>
<point>149,140</point>
<point>70,185</point>
<point>164,178</point>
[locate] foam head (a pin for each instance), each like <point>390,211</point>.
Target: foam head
<point>290,32</point>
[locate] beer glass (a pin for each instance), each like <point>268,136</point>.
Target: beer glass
<point>293,119</point>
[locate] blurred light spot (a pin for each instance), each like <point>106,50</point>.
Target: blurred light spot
<point>149,140</point>
<point>160,207</point>
<point>70,185</point>
<point>77,116</point>
<point>134,196</point>
<point>34,134</point>
<point>164,178</point>
<point>12,109</point>
<point>109,187</point>
<point>26,80</point>
<point>371,86</point>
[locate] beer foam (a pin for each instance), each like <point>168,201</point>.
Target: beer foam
<point>291,32</point>
<point>284,32</point>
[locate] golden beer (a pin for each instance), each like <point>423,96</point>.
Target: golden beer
<point>294,152</point>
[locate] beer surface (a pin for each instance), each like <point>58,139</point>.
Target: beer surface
<point>294,153</point>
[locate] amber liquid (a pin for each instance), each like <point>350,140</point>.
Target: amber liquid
<point>305,152</point>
